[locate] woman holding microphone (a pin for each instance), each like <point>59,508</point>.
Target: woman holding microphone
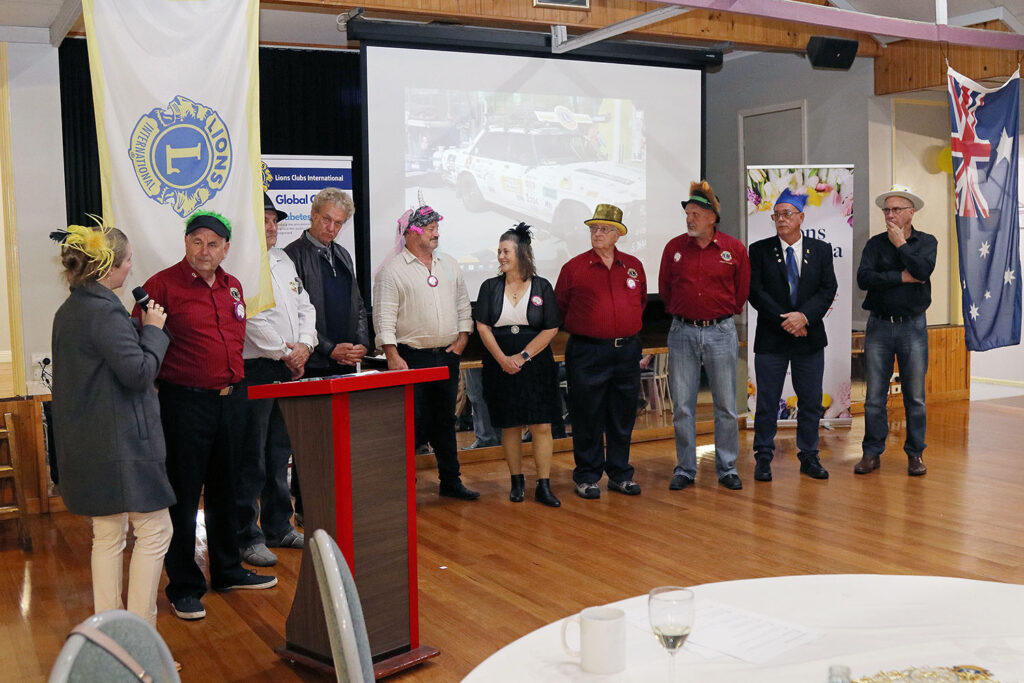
<point>108,439</point>
<point>517,317</point>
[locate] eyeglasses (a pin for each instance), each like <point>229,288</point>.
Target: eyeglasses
<point>602,228</point>
<point>783,214</point>
<point>895,209</point>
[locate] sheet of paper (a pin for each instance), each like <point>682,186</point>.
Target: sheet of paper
<point>745,635</point>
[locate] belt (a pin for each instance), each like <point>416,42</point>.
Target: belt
<point>513,330</point>
<point>895,318</point>
<point>436,349</point>
<point>616,342</point>
<point>226,391</point>
<point>701,323</point>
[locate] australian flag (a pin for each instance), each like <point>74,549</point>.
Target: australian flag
<point>984,147</point>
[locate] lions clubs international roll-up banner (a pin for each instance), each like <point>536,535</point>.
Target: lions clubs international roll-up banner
<point>828,216</point>
<point>176,92</point>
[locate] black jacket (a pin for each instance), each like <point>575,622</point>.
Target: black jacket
<point>307,263</point>
<point>769,295</point>
<point>541,313</point>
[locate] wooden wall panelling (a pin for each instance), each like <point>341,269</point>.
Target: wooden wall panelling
<point>701,25</point>
<point>912,65</point>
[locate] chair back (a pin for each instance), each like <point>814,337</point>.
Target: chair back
<point>101,656</point>
<point>350,646</point>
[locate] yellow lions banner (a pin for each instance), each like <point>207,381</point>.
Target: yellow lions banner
<point>176,92</point>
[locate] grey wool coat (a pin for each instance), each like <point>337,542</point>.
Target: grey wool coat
<point>106,417</point>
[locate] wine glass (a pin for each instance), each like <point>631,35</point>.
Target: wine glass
<point>670,609</point>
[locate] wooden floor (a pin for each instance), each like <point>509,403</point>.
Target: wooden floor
<point>491,571</point>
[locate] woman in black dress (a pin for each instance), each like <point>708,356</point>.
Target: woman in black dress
<point>516,316</point>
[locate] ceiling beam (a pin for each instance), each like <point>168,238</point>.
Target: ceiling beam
<point>994,14</point>
<point>833,17</point>
<point>559,46</point>
<point>67,17</point>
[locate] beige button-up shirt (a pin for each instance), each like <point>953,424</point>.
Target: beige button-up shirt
<point>407,310</point>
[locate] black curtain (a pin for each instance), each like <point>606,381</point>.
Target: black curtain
<point>78,125</point>
<point>310,103</point>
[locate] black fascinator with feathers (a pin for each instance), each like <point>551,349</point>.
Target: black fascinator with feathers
<point>522,232</point>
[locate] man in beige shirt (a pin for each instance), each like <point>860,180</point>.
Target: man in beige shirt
<point>423,319</point>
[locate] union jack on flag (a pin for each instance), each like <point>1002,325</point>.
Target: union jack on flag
<point>984,145</point>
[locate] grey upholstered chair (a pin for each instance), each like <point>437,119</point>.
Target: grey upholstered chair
<point>96,651</point>
<point>350,646</point>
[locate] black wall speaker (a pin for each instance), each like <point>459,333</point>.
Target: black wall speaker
<point>831,53</point>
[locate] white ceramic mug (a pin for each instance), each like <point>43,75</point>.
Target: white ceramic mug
<point>602,639</point>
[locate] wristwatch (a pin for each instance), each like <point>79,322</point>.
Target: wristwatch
<point>525,355</point>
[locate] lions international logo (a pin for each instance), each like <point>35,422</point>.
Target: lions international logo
<point>181,154</point>
<point>727,256</point>
<point>267,177</point>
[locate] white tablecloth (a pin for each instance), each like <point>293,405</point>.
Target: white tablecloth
<point>870,623</point>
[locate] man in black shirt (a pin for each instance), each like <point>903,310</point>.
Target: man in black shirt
<point>895,271</point>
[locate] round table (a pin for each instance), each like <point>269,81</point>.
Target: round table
<point>870,623</point>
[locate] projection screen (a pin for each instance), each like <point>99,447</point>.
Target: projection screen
<point>490,140</point>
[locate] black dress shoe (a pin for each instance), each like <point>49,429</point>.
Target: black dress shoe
<point>544,495</point>
<point>811,466</point>
<point>763,469</point>
<point>731,481</point>
<point>458,490</point>
<point>518,491</point>
<point>679,482</point>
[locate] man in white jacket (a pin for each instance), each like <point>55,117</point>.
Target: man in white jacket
<point>278,343</point>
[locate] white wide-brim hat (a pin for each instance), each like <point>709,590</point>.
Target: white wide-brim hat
<point>900,191</point>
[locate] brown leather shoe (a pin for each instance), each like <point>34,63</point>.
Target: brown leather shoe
<point>916,466</point>
<point>868,463</point>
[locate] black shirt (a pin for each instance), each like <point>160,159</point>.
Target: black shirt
<point>881,274</point>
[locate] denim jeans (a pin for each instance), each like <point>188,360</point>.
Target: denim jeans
<point>483,430</point>
<point>807,373</point>
<point>716,347</point>
<point>907,342</point>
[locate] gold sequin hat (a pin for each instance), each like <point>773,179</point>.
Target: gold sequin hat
<point>608,214</point>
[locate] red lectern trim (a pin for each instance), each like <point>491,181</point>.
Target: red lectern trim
<point>346,383</point>
<point>343,479</point>
<point>410,503</point>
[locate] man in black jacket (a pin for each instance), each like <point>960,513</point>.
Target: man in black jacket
<point>325,267</point>
<point>792,286</point>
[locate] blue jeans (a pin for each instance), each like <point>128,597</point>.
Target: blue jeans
<point>770,371</point>
<point>482,427</point>
<point>907,342</point>
<point>716,347</point>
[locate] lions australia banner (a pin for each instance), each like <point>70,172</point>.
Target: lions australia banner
<point>828,216</point>
<point>176,93</point>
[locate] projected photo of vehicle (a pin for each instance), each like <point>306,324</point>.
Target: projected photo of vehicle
<point>548,160</point>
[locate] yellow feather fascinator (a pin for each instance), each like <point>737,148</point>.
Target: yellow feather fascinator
<point>91,241</point>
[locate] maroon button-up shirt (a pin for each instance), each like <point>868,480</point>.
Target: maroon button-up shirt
<point>206,323</point>
<point>601,302</point>
<point>704,284</point>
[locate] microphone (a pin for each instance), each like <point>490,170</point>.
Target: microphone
<point>141,297</point>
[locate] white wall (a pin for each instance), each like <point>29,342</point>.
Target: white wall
<point>837,128</point>
<point>38,190</point>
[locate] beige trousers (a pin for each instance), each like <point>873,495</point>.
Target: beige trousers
<point>152,537</point>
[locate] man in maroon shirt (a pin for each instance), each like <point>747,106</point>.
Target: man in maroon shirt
<point>601,295</point>
<point>200,411</point>
<point>704,281</point>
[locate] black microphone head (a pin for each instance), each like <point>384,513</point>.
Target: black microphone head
<point>141,297</point>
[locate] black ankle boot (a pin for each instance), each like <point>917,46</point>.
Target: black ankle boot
<point>544,495</point>
<point>518,488</point>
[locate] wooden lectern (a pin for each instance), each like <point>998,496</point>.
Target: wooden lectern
<point>353,442</point>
